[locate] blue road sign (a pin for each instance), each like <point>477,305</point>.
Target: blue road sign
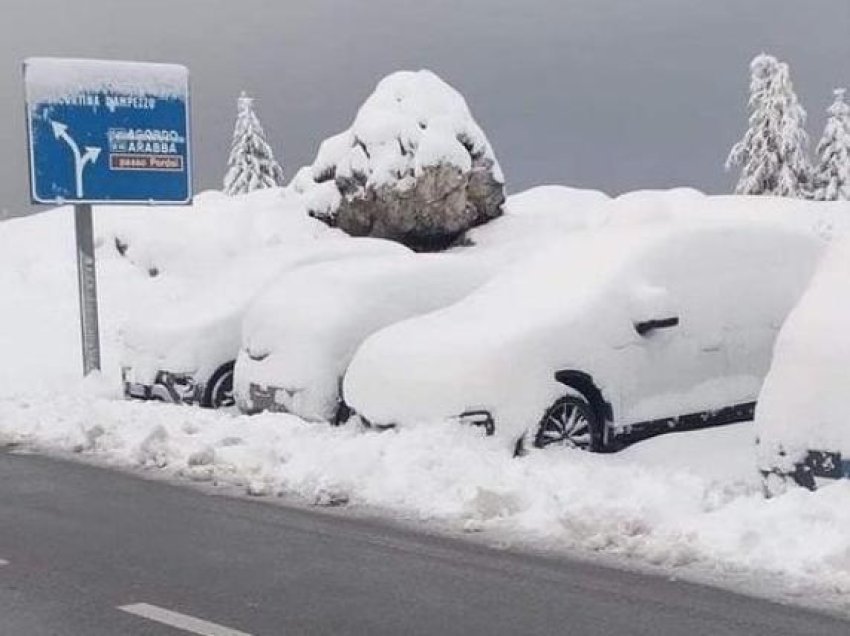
<point>108,132</point>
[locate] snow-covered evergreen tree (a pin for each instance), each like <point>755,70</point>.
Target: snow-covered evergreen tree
<point>832,172</point>
<point>773,153</point>
<point>251,165</point>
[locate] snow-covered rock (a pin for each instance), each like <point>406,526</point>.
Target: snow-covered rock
<point>414,167</point>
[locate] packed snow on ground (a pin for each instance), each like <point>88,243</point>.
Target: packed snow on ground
<point>686,502</point>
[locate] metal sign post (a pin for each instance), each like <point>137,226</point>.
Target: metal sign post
<point>105,132</point>
<point>87,279</point>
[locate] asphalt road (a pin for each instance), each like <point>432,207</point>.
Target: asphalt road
<point>79,542</point>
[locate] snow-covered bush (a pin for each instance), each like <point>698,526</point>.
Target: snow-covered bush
<point>773,152</point>
<point>251,165</point>
<point>832,172</point>
<point>414,167</point>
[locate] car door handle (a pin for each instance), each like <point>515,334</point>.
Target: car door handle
<point>647,326</point>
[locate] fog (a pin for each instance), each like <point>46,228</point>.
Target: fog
<point>608,94</point>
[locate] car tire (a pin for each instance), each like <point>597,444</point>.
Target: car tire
<point>342,414</point>
<point>571,421</point>
<point>218,392</point>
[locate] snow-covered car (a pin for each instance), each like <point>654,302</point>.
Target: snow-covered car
<point>620,331</point>
<point>185,352</point>
<point>802,424</point>
<point>300,334</point>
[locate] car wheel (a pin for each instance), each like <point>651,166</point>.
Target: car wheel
<point>570,422</point>
<point>342,414</point>
<point>219,390</point>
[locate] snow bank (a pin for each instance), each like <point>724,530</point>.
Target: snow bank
<point>805,404</point>
<point>645,504</point>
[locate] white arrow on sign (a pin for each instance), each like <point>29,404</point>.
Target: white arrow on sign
<point>60,131</point>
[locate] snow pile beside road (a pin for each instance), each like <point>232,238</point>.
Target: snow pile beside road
<point>683,500</point>
<point>649,503</point>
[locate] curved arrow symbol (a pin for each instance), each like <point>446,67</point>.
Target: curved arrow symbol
<point>60,131</point>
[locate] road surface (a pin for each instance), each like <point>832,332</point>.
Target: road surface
<point>85,551</point>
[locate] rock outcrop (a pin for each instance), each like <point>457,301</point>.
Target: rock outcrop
<point>414,167</point>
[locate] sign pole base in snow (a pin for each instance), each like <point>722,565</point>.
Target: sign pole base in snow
<point>87,278</point>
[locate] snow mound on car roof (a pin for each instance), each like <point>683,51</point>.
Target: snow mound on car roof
<point>541,213</point>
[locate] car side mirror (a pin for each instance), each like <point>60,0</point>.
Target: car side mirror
<point>645,327</point>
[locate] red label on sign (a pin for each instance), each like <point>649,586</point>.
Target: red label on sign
<point>160,163</point>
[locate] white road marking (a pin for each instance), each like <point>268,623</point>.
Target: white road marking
<point>180,621</point>
<point>3,562</point>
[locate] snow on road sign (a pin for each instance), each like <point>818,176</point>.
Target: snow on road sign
<point>108,132</point>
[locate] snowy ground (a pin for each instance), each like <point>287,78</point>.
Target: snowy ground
<point>689,503</point>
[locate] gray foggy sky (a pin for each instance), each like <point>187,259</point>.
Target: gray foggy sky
<point>609,94</point>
